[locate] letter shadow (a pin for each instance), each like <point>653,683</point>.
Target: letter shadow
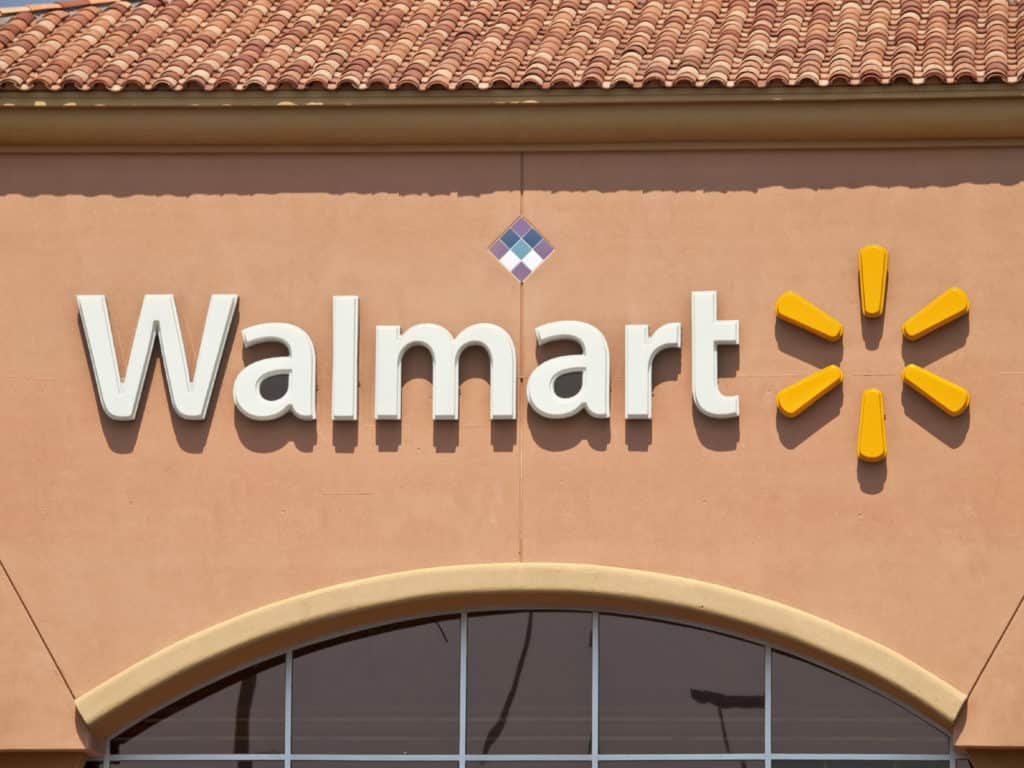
<point>418,364</point>
<point>806,346</point>
<point>716,434</point>
<point>873,328</point>
<point>666,367</point>
<point>938,344</point>
<point>122,436</point>
<point>563,434</point>
<point>503,436</point>
<point>951,430</point>
<point>446,436</point>
<point>270,436</point>
<point>871,476</point>
<point>345,436</point>
<point>793,432</point>
<point>388,435</point>
<point>720,434</point>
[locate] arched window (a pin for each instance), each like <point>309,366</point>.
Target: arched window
<point>534,689</point>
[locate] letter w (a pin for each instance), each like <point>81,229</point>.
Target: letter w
<point>158,318</point>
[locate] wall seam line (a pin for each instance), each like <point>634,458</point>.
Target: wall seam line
<point>992,653</point>
<point>39,634</point>
<point>520,426</point>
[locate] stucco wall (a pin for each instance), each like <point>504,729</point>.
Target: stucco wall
<point>121,538</point>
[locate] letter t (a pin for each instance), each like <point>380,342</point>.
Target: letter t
<point>708,333</point>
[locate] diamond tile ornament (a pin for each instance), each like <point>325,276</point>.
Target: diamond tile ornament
<point>521,249</point>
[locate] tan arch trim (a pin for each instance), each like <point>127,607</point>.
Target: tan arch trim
<point>205,655</point>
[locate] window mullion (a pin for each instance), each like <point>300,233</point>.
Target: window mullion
<point>288,709</point>
<point>463,684</point>
<point>595,686</point>
<point>767,706</point>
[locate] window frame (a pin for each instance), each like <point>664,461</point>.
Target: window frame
<point>462,758</point>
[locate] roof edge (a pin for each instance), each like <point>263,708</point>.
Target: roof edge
<point>321,121</point>
<point>58,5</point>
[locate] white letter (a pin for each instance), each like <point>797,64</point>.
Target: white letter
<point>345,373</point>
<point>592,363</point>
<point>641,349</point>
<point>446,352</point>
<point>708,333</point>
<point>299,366</point>
<point>158,317</point>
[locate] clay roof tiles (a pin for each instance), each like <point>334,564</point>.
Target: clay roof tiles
<point>479,44</point>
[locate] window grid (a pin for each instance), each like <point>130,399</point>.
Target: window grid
<point>766,757</point>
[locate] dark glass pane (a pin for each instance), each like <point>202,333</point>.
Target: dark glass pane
<point>682,764</point>
<point>860,763</point>
<point>196,763</point>
<point>817,711</point>
<point>671,689</point>
<point>385,691</point>
<point>529,683</point>
<point>241,714</point>
<point>372,764</point>
<point>527,764</point>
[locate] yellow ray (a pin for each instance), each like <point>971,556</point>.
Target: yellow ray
<point>871,434</point>
<point>795,309</point>
<point>797,398</point>
<point>874,272</point>
<point>944,394</point>
<point>940,311</point>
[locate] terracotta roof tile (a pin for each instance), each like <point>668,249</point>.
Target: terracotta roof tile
<point>478,44</point>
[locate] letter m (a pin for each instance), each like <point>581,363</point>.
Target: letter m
<point>158,318</point>
<point>446,352</point>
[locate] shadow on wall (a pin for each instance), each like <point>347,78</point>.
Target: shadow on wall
<point>556,435</point>
<point>937,345</point>
<point>804,346</point>
<point>793,432</point>
<point>666,367</point>
<point>270,436</point>
<point>818,353</point>
<point>871,477</point>
<point>873,328</point>
<point>417,364</point>
<point>483,173</point>
<point>952,431</point>
<point>563,434</point>
<point>720,434</point>
<point>549,434</point>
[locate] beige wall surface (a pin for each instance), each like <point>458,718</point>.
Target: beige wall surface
<point>122,538</point>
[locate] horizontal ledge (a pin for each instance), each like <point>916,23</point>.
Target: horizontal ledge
<point>690,757</point>
<point>571,96</point>
<point>491,120</point>
<point>269,630</point>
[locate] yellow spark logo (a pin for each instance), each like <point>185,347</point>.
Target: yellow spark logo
<point>950,398</point>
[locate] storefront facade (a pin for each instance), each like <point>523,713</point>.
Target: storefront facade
<point>550,471</point>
